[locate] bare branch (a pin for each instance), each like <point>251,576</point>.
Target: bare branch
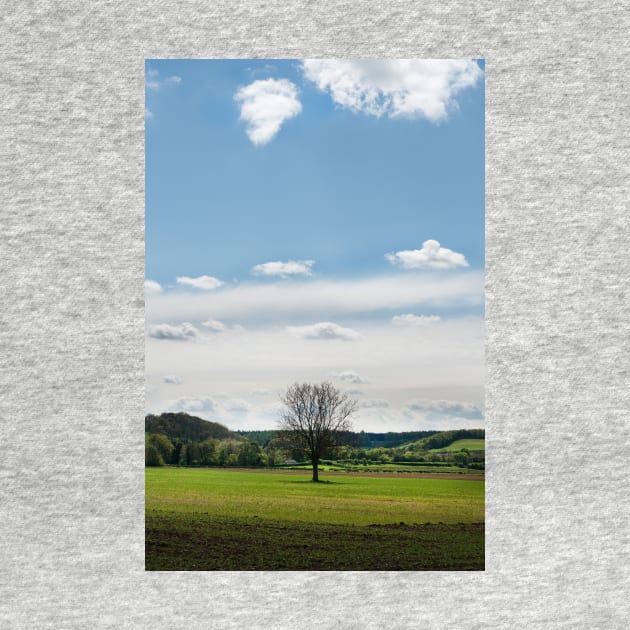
<point>315,420</point>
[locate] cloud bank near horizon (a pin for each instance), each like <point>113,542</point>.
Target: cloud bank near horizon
<point>252,301</point>
<point>373,414</point>
<point>415,369</point>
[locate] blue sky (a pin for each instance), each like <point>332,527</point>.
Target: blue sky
<point>297,200</point>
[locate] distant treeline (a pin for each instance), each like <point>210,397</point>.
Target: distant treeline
<point>362,439</point>
<point>186,427</point>
<point>161,450</point>
<point>184,440</point>
<point>422,450</point>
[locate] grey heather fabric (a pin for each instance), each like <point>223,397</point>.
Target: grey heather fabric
<point>72,349</point>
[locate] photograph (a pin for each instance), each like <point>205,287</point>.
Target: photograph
<point>314,302</point>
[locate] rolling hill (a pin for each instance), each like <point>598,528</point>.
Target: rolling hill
<point>186,427</point>
<point>458,445</point>
<point>444,440</point>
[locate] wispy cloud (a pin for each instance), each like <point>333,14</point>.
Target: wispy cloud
<point>324,331</point>
<point>268,68</point>
<point>152,287</point>
<point>395,87</point>
<point>284,269</point>
<point>178,332</point>
<point>215,326</point>
<point>431,256</point>
<point>348,376</point>
<point>374,403</point>
<point>261,391</point>
<point>447,408</point>
<point>236,406</point>
<point>408,319</point>
<point>201,405</point>
<point>155,82</point>
<point>171,379</point>
<point>325,298</point>
<point>205,283</point>
<point>266,105</point>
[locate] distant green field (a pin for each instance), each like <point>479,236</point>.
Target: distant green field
<point>471,445</point>
<point>216,519</point>
<point>402,467</point>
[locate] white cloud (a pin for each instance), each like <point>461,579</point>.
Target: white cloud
<point>148,113</point>
<point>267,68</point>
<point>150,286</point>
<point>179,332</point>
<point>171,379</point>
<point>196,405</point>
<point>261,391</point>
<point>447,408</point>
<point>323,298</point>
<point>374,403</point>
<point>155,83</point>
<point>265,105</point>
<point>405,366</point>
<point>206,283</point>
<point>236,406</point>
<point>397,87</point>
<point>215,326</point>
<point>283,269</point>
<point>348,376</point>
<point>325,331</point>
<point>431,256</point>
<point>408,319</point>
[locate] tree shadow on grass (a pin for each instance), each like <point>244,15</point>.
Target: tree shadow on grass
<point>314,483</point>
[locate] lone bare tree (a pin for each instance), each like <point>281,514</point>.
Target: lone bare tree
<point>315,420</point>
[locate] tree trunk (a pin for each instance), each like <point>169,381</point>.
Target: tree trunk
<point>315,470</point>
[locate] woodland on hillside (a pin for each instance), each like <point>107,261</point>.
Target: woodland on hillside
<point>180,439</point>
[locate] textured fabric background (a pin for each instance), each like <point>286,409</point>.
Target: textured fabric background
<point>71,338</point>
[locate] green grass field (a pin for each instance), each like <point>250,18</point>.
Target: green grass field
<point>471,445</point>
<point>217,519</point>
<point>396,467</point>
